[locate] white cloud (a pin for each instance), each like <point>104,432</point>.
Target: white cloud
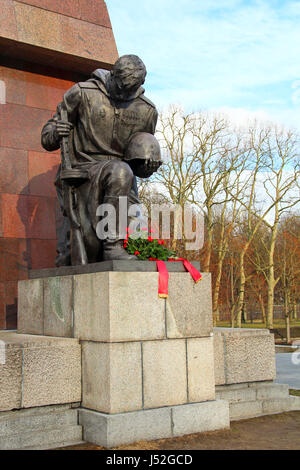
<point>242,116</point>
<point>200,53</point>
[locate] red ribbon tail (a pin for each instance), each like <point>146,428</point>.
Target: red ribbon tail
<point>163,279</point>
<point>192,270</point>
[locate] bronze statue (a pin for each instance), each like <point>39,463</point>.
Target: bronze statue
<point>99,126</point>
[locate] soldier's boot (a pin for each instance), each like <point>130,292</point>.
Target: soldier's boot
<point>113,248</point>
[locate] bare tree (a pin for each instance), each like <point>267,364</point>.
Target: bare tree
<point>200,150</point>
<point>179,175</point>
<point>275,153</point>
<point>224,226</point>
<point>247,178</point>
<point>287,260</point>
<point>281,187</point>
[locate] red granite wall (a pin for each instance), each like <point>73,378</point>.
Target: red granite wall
<point>93,11</point>
<point>28,206</point>
<point>29,93</point>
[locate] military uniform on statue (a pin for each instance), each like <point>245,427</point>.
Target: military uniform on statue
<point>103,114</point>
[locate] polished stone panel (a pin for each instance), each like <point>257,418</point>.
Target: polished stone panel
<point>189,309</point>
<point>200,364</point>
<point>112,376</point>
<point>165,373</point>
<point>31,307</point>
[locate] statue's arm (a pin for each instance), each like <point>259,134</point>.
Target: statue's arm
<point>152,121</point>
<point>55,129</point>
<point>50,139</point>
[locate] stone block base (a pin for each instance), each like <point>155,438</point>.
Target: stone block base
<point>38,371</point>
<point>125,428</point>
<point>123,377</point>
<point>139,351</point>
<point>40,428</point>
<point>115,306</point>
<point>243,355</point>
<point>249,400</point>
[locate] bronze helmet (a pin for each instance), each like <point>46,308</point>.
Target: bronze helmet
<point>143,154</point>
<point>143,146</point>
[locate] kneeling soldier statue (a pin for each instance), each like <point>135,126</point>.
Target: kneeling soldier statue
<point>94,126</point>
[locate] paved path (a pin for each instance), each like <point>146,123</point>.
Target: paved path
<point>288,369</point>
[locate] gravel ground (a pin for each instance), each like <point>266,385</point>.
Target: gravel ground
<point>273,432</point>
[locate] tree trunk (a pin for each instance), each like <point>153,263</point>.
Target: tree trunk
<point>241,296</point>
<point>288,329</point>
<point>208,247</point>
<point>232,317</point>
<point>232,292</point>
<point>263,311</point>
<point>216,291</point>
<point>245,313</point>
<point>270,306</point>
<point>271,278</point>
<point>295,313</point>
<point>177,226</point>
<point>287,317</point>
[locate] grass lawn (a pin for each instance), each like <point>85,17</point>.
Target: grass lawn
<point>259,324</point>
<point>279,326</point>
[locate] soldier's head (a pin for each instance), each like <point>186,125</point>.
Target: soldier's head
<point>127,75</point>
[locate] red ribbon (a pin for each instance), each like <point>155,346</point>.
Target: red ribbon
<point>163,278</point>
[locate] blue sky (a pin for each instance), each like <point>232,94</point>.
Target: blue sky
<point>237,56</point>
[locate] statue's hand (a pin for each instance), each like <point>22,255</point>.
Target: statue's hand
<point>63,128</point>
<point>145,168</point>
<point>152,165</point>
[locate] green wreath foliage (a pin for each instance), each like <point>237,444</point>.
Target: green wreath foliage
<point>145,247</point>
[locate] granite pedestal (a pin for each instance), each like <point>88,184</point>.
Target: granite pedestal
<point>147,362</point>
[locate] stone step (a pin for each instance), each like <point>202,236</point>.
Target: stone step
<point>272,391</point>
<point>280,405</point>
<point>252,392</point>
<point>43,439</point>
<point>294,403</point>
<point>38,371</point>
<point>18,422</point>
<point>55,445</point>
<point>252,409</point>
<point>111,430</point>
<point>244,410</point>
<point>238,395</point>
